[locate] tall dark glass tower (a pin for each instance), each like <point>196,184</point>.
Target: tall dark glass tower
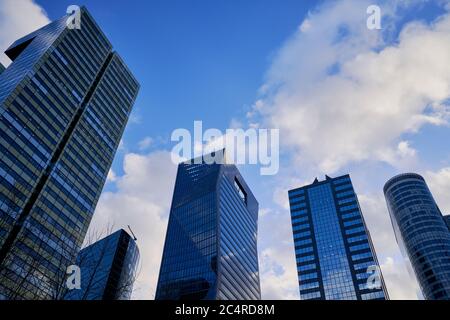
<point>421,233</point>
<point>335,256</point>
<point>447,221</point>
<point>108,269</point>
<point>64,103</point>
<point>210,251</point>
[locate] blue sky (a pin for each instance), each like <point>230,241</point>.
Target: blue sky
<point>383,110</point>
<point>195,60</point>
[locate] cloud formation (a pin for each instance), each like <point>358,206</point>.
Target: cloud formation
<point>401,285</point>
<point>277,266</point>
<point>439,184</point>
<point>17,19</point>
<point>340,94</point>
<point>343,95</point>
<point>145,143</point>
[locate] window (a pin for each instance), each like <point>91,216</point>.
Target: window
<point>240,190</point>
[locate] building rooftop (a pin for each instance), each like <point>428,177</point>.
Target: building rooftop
<point>317,182</point>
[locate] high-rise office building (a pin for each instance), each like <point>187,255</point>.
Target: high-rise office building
<point>108,269</point>
<point>447,221</point>
<point>334,252</point>
<point>421,233</point>
<point>210,252</point>
<point>64,102</point>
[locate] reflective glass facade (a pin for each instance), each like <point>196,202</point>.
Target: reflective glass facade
<point>421,233</point>
<point>210,251</point>
<point>2,68</point>
<point>64,103</point>
<point>447,221</point>
<point>108,269</point>
<point>334,252</point>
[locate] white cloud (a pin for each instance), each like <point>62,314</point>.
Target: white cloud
<point>112,177</point>
<point>405,150</point>
<point>400,283</point>
<point>135,118</point>
<point>288,181</point>
<point>142,200</point>
<point>145,143</point>
<point>401,157</point>
<point>338,98</point>
<point>235,124</point>
<point>439,184</point>
<point>343,100</point>
<point>17,19</point>
<point>278,273</point>
<point>280,197</point>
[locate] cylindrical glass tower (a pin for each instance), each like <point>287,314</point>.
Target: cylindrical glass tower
<point>421,233</point>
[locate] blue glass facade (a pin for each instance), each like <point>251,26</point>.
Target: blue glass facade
<point>447,221</point>
<point>64,103</point>
<point>334,252</point>
<point>2,68</point>
<point>421,233</point>
<point>108,269</point>
<point>210,252</point>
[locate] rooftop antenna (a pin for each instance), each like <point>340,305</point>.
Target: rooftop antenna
<point>132,233</point>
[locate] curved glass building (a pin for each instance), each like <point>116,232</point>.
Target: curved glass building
<point>421,233</point>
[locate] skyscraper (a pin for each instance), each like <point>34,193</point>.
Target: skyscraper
<point>334,252</point>
<point>447,221</point>
<point>421,233</point>
<point>210,250</point>
<point>64,103</point>
<point>108,269</point>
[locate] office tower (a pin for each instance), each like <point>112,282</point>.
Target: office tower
<point>64,103</point>
<point>210,252</point>
<point>421,233</point>
<point>2,68</point>
<point>108,269</point>
<point>334,252</point>
<point>447,221</point>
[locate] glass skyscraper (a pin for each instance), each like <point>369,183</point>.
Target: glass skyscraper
<point>421,233</point>
<point>64,102</point>
<point>334,252</point>
<point>108,269</point>
<point>210,252</point>
<point>447,221</point>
